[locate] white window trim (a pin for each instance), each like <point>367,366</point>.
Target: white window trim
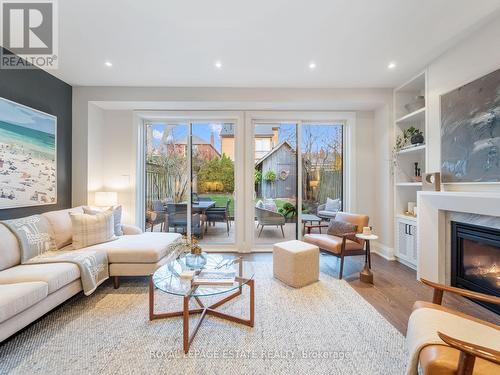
<point>244,159</point>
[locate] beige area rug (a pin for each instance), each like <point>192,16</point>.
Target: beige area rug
<point>325,328</point>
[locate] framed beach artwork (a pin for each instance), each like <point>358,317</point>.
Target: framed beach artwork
<point>470,132</point>
<point>28,153</point>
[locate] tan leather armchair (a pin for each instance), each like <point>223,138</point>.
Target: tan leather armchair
<point>341,247</point>
<point>457,357</point>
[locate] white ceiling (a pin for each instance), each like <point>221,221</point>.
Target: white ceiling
<point>261,43</point>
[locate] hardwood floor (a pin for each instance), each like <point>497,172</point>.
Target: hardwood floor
<point>395,288</point>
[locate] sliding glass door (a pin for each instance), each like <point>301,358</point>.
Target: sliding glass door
<point>213,178</point>
<point>275,175</point>
<point>190,179</point>
<point>298,166</point>
<point>198,171</point>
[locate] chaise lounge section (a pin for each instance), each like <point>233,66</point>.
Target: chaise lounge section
<point>28,291</point>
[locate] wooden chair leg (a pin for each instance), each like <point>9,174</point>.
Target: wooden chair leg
<point>116,282</point>
<point>282,231</point>
<point>466,364</point>
<point>262,227</point>
<point>341,267</point>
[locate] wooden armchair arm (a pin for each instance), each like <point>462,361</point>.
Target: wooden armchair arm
<point>469,352</point>
<point>347,236</point>
<point>439,289</point>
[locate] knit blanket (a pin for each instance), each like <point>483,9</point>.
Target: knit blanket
<point>424,324</point>
<point>93,265</point>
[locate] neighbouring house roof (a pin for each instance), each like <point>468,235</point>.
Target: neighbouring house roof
<point>282,144</point>
<point>260,130</point>
<point>197,141</point>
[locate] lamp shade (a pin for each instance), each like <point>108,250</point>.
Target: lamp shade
<point>106,198</point>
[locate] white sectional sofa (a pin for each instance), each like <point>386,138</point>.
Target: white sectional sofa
<point>29,291</point>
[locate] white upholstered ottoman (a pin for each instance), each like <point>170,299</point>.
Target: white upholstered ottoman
<point>296,263</point>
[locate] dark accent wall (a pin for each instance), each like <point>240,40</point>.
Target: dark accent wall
<point>40,90</point>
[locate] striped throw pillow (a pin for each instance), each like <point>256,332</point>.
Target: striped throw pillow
<point>117,216</point>
<point>90,230</point>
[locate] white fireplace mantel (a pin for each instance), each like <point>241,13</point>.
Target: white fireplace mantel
<point>432,208</point>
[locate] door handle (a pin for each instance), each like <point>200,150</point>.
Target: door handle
<point>409,230</point>
<point>406,228</point>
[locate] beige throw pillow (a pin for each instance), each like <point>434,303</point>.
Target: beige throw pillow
<point>90,230</point>
<point>117,216</point>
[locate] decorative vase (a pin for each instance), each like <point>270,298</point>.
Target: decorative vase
<point>416,139</point>
<point>196,259</point>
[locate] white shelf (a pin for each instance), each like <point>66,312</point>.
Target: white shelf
<point>418,115</point>
<point>416,184</point>
<point>407,217</point>
<point>411,149</point>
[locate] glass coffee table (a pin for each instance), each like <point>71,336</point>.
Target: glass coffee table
<point>168,280</point>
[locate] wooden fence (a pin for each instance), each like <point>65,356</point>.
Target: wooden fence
<point>330,186</point>
<point>160,184</point>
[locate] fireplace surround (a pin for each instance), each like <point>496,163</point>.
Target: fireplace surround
<point>475,259</point>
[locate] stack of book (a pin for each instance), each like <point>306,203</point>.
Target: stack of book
<point>215,277</point>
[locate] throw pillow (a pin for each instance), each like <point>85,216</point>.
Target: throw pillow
<point>332,205</point>
<point>34,234</point>
<point>92,229</point>
<point>270,205</point>
<point>117,216</point>
<point>259,204</point>
<point>339,228</point>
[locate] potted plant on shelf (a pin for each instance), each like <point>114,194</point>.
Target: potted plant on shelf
<point>411,135</point>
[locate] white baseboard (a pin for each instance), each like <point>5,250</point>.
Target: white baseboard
<point>383,250</point>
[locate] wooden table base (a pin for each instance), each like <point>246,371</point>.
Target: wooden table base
<point>203,310</point>
<point>366,275</point>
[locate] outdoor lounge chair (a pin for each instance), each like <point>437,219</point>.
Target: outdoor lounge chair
<point>323,213</point>
<point>268,217</point>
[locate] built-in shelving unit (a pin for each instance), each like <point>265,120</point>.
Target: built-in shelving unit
<point>409,111</point>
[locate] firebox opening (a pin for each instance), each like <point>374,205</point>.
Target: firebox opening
<point>475,259</point>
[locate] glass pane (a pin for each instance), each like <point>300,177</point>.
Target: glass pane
<point>167,177</point>
<point>213,182</point>
<point>322,172</point>
<point>275,182</point>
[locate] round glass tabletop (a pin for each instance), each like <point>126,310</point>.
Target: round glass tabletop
<point>167,278</point>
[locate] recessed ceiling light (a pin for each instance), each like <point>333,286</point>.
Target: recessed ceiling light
<point>312,65</point>
<point>108,64</point>
<point>391,65</point>
<point>218,64</point>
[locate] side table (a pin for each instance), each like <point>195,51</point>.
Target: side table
<point>366,274</point>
